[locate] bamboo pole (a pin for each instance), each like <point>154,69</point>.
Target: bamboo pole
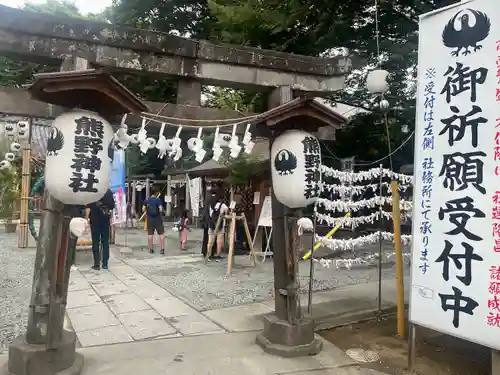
<point>25,189</point>
<point>396,215</point>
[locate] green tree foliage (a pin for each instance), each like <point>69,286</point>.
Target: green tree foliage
<point>178,17</point>
<point>17,73</point>
<point>328,28</point>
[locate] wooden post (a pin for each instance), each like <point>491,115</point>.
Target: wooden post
<point>412,348</point>
<point>249,239</point>
<point>495,362</point>
<point>213,238</point>
<point>230,256</point>
<point>396,215</point>
<point>187,206</point>
<point>168,211</point>
<point>25,189</point>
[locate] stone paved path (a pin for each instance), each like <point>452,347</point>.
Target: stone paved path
<point>146,296</point>
<point>121,305</point>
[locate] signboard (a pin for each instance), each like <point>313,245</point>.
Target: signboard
<point>256,197</point>
<point>117,186</point>
<point>266,213</point>
<point>195,195</point>
<point>455,283</point>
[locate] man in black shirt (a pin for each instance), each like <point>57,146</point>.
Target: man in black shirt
<point>99,216</point>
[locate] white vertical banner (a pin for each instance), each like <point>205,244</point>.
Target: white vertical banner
<point>455,282</point>
<point>195,195</point>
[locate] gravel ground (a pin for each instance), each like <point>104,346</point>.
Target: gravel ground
<point>208,287</point>
<point>16,274</point>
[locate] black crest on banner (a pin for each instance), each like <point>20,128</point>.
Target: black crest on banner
<point>465,30</point>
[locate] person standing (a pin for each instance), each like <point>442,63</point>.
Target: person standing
<point>205,223</point>
<point>217,208</point>
<point>98,215</point>
<point>183,229</point>
<point>153,207</point>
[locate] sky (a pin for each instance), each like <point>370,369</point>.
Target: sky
<point>85,6</point>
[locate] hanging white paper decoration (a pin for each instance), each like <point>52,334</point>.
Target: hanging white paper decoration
<point>376,81</point>
<point>177,154</point>
<point>200,155</point>
<point>304,224</point>
<point>247,138</point>
<point>122,137</point>
<point>176,151</point>
<point>192,143</point>
<point>123,125</point>
<point>79,156</point>
<point>152,142</point>
<point>15,147</point>
<point>142,134</point>
<point>4,164</point>
<point>10,129</point>
<point>196,145</point>
<point>249,147</point>
<point>295,168</point>
<point>162,143</point>
<point>234,146</point>
<point>134,139</point>
<point>10,156</point>
<point>223,139</point>
<point>217,153</point>
<point>216,147</point>
<point>144,146</point>
<point>235,151</point>
<point>78,226</point>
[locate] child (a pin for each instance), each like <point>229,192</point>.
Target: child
<point>183,229</point>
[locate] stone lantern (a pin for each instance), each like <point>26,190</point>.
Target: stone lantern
<point>293,123</point>
<point>48,349</point>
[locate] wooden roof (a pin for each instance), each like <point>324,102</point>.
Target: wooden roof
<point>302,113</point>
<point>91,89</point>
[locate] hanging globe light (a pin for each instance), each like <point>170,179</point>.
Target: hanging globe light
<point>376,81</point>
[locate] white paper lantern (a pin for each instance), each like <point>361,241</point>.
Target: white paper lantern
<point>23,126</point>
<point>304,224</point>
<point>23,135</point>
<point>384,104</point>
<point>10,156</point>
<point>78,226</point>
<point>15,147</point>
<point>295,168</point>
<point>79,155</point>
<point>10,129</point>
<point>4,164</point>
<point>376,81</point>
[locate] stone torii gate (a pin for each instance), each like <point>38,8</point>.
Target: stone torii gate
<point>76,44</point>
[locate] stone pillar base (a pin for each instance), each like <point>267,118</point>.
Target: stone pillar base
<point>27,359</point>
<point>286,340</point>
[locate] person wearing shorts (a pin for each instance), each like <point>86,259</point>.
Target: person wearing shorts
<point>153,207</point>
<point>216,208</point>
